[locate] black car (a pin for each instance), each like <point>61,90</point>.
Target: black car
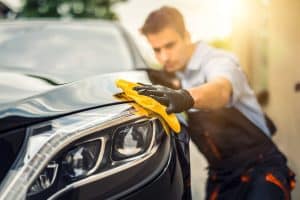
<point>63,133</point>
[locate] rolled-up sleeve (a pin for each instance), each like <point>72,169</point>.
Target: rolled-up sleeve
<point>226,66</point>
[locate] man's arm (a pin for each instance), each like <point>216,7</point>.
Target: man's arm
<point>223,88</point>
<point>212,95</point>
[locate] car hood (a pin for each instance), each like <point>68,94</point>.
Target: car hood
<point>16,86</point>
<point>30,99</point>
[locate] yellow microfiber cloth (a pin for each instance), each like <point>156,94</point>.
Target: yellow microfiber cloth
<point>147,106</point>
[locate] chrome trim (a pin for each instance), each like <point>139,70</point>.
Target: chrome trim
<point>17,182</point>
<point>101,153</point>
<point>55,167</point>
<point>134,161</point>
<point>103,141</point>
<point>147,151</point>
<point>104,174</point>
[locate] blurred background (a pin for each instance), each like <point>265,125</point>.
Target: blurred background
<point>265,35</point>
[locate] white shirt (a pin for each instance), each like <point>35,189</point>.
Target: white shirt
<point>208,63</point>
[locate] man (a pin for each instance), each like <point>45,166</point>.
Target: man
<point>225,120</point>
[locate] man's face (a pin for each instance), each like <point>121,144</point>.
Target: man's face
<point>170,49</point>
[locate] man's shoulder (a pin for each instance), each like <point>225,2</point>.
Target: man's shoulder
<point>206,55</point>
<point>215,55</point>
<point>218,52</point>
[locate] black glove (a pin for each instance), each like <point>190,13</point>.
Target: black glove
<point>176,100</point>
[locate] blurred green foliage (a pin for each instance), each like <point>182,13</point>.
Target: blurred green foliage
<point>70,8</point>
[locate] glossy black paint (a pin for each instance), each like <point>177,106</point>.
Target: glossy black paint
<point>65,99</point>
<point>10,145</point>
<point>29,95</point>
<point>168,186</point>
<point>175,178</point>
<point>49,97</point>
<point>153,179</point>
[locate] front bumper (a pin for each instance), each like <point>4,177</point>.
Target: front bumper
<point>171,184</point>
<point>163,171</point>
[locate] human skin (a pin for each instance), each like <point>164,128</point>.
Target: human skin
<point>173,51</point>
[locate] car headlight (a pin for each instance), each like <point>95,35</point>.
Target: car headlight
<point>84,147</point>
<point>131,141</point>
<point>82,159</point>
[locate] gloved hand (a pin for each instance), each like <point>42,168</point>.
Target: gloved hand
<point>176,100</point>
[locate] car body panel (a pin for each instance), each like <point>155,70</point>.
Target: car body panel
<point>31,96</point>
<point>56,48</point>
<point>65,99</point>
<point>167,177</point>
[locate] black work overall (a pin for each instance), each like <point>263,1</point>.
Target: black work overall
<point>243,162</point>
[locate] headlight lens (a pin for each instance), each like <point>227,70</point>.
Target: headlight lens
<point>68,149</point>
<point>45,179</point>
<point>82,159</point>
<point>131,141</point>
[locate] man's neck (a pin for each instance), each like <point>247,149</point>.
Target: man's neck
<point>190,51</point>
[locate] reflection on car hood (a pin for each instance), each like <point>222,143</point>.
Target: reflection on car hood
<point>27,99</point>
<point>16,86</point>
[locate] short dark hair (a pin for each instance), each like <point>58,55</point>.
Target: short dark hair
<point>164,17</point>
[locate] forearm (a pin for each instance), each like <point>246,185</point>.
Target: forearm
<point>212,95</point>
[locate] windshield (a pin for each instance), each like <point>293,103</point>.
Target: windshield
<point>68,50</point>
